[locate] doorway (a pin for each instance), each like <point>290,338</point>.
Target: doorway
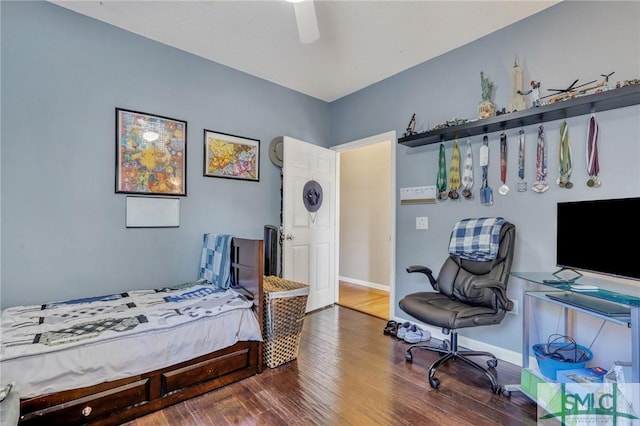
<point>366,224</point>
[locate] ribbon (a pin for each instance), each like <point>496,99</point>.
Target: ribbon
<point>564,157</point>
<point>442,174</point>
<point>541,157</point>
<point>593,166</point>
<point>486,194</point>
<point>467,174</point>
<point>503,158</point>
<point>504,189</point>
<point>522,185</point>
<point>454,172</point>
<point>541,185</point>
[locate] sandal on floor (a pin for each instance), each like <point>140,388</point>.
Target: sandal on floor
<point>416,335</point>
<point>391,328</point>
<point>402,330</point>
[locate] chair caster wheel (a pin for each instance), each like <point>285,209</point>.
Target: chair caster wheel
<point>492,363</point>
<point>408,357</point>
<point>434,382</point>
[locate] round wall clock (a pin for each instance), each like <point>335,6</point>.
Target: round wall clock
<point>276,151</point>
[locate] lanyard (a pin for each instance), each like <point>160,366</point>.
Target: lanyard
<point>442,175</point>
<point>454,172</point>
<point>522,185</point>
<point>504,189</point>
<point>467,175</point>
<point>541,184</point>
<point>564,157</point>
<point>593,166</point>
<point>486,194</point>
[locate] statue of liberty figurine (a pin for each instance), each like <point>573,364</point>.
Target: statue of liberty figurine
<point>486,108</point>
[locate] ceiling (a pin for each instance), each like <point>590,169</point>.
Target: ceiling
<point>361,42</point>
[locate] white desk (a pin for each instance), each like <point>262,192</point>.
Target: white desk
<point>608,290</point>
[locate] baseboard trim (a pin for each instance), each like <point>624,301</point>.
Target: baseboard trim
<point>365,283</point>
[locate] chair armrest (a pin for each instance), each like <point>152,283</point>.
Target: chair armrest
<point>498,289</point>
<point>486,283</point>
<point>423,270</point>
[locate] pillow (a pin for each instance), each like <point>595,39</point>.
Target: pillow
<point>476,239</point>
<point>215,262</point>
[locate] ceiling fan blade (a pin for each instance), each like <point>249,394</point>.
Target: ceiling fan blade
<point>307,22</point>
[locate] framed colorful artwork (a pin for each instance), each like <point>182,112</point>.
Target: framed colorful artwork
<point>151,154</point>
<point>230,156</point>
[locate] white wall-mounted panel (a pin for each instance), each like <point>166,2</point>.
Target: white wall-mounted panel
<point>152,212</point>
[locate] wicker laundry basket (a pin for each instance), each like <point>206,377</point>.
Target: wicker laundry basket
<point>285,303</point>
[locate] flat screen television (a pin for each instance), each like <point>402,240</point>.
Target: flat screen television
<point>600,236</point>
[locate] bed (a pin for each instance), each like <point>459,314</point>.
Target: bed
<point>138,351</point>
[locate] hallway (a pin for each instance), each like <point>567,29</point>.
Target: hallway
<point>364,299</point>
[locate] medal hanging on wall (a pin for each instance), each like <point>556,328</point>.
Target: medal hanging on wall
<point>454,172</point>
<point>486,193</point>
<point>541,184</point>
<point>522,185</point>
<point>442,174</point>
<point>564,158</point>
<point>504,189</point>
<point>467,174</point>
<point>593,166</point>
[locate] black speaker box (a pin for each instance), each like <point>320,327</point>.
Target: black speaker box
<point>270,250</point>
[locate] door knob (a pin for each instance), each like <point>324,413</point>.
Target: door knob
<point>289,237</point>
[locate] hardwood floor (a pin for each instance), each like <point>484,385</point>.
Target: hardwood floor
<point>364,299</point>
<point>349,373</point>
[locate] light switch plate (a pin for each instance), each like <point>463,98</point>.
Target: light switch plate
<point>422,222</point>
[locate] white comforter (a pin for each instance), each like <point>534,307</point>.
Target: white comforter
<point>63,345</point>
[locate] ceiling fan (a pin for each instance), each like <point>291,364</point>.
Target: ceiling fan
<point>305,11</point>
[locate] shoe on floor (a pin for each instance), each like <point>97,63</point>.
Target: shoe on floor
<point>416,335</point>
<point>402,330</point>
<point>391,328</point>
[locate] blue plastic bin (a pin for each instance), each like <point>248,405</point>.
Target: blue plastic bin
<point>560,356</point>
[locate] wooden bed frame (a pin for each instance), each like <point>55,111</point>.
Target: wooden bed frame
<point>116,402</point>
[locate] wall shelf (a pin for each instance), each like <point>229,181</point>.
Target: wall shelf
<point>611,99</point>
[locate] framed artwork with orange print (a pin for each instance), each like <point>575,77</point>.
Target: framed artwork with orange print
<point>151,154</point>
<point>231,156</point>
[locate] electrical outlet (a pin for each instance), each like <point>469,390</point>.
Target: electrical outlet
<point>422,223</point>
<point>515,309</point>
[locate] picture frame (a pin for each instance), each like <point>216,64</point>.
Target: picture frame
<point>151,154</point>
<point>231,156</point>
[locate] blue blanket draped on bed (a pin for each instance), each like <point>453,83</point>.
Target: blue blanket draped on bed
<point>476,239</point>
<point>215,263</point>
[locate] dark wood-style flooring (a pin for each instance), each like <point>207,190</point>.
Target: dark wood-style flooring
<point>349,373</point>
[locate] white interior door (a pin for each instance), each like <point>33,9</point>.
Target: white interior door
<point>309,243</point>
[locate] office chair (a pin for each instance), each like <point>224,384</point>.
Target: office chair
<point>470,291</point>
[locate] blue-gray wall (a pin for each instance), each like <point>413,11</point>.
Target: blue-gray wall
<point>63,75</point>
<point>567,41</point>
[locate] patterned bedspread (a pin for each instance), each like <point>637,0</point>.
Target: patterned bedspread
<point>28,330</point>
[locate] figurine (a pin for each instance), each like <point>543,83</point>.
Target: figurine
<point>535,91</point>
<point>486,108</point>
<point>411,127</point>
<point>517,98</point>
<point>564,94</point>
<point>599,87</point>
